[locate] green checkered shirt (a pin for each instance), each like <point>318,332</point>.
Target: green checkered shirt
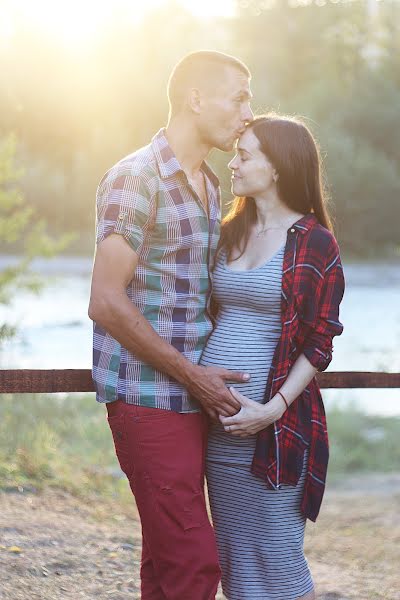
<point>147,199</point>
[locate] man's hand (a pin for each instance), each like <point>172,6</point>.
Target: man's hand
<point>208,386</point>
<point>110,306</point>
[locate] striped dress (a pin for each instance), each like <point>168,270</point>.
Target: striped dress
<point>260,532</point>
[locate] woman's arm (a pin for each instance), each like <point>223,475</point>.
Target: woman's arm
<point>253,417</point>
<point>322,318</point>
<point>321,310</point>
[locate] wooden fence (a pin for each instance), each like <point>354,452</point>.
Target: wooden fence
<point>30,381</point>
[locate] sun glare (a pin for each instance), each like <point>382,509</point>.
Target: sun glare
<point>70,20</point>
<point>210,8</point>
<point>77,21</point>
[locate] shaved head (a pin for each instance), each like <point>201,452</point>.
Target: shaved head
<point>202,70</point>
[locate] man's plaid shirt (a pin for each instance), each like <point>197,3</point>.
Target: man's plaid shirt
<point>147,198</point>
<point>312,289</point>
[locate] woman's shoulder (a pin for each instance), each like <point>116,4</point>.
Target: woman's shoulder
<point>321,239</point>
<point>318,254</point>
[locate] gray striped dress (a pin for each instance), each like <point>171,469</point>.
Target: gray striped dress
<point>260,532</point>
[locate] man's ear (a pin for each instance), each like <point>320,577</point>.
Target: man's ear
<point>194,100</point>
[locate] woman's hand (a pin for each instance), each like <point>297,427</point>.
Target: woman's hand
<point>252,416</point>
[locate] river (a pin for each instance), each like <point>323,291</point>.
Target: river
<point>55,332</point>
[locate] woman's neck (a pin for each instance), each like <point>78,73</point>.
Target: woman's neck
<point>271,212</point>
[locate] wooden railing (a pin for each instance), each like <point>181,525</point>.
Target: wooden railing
<point>31,381</point>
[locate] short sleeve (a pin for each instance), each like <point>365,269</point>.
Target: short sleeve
<point>124,206</point>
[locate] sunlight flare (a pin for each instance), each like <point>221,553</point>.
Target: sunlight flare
<point>74,22</point>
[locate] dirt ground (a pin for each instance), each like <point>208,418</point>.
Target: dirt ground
<point>54,546</point>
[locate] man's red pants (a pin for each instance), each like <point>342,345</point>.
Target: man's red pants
<point>163,453</point>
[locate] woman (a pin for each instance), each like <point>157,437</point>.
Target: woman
<point>278,283</point>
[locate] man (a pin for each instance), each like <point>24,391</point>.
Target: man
<point>158,214</point>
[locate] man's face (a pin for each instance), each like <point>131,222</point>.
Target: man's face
<point>225,109</point>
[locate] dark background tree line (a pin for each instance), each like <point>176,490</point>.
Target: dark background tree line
<point>74,112</point>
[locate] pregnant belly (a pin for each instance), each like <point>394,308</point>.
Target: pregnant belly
<point>239,353</point>
<point>258,367</point>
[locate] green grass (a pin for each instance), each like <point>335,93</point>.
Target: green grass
<point>361,443</point>
<point>63,441</point>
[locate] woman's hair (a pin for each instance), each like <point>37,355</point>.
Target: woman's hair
<point>293,152</point>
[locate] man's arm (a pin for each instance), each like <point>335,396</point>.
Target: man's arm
<point>110,306</point>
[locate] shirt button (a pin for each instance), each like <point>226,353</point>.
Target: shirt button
<point>292,230</point>
<point>121,216</point>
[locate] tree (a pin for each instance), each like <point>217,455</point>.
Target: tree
<point>18,223</point>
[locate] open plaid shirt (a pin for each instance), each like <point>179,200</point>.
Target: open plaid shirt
<point>312,289</point>
<point>147,199</point>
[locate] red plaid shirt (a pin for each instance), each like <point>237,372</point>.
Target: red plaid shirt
<point>312,289</point>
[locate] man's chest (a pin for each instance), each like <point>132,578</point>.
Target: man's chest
<point>199,188</point>
<point>181,214</point>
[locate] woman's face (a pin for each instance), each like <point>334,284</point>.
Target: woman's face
<point>253,174</point>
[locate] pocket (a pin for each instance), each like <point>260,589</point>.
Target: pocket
<point>147,413</point>
<point>188,509</point>
<point>118,430</point>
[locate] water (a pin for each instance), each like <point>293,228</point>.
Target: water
<point>55,332</point>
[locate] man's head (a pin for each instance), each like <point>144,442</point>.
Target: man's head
<point>212,89</point>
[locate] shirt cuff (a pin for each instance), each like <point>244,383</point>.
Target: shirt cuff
<point>319,359</point>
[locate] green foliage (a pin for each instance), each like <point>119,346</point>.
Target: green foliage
<point>361,442</point>
<point>335,63</point>
<point>19,224</point>
<point>358,175</point>
<point>64,441</point>
<point>58,441</point>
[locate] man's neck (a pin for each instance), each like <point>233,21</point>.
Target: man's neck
<point>186,145</point>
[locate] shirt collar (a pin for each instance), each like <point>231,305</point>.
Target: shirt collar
<point>168,164</point>
<point>305,223</point>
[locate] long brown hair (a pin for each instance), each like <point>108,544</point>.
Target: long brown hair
<point>290,147</point>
